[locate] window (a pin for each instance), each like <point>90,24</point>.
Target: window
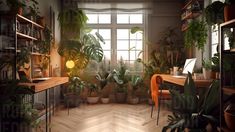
<point>119,42</point>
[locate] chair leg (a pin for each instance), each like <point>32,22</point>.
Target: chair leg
<point>158,112</point>
<point>152,111</point>
<point>68,106</point>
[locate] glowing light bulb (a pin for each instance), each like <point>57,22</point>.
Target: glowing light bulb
<point>70,64</point>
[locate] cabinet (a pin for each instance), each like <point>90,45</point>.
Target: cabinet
<point>227,64</point>
<point>20,38</point>
<point>190,10</point>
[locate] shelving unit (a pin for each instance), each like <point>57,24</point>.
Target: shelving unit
<point>227,75</point>
<point>17,32</point>
<point>190,10</point>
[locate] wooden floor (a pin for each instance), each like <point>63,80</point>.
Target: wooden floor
<point>108,118</point>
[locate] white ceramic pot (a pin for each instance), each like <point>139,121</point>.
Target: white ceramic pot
<point>206,73</point>
<point>105,100</point>
<point>92,100</point>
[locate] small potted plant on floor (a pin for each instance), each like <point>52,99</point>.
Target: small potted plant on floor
<point>136,83</point>
<point>92,97</point>
<point>103,76</point>
<point>206,69</point>
<point>121,77</point>
<point>75,86</point>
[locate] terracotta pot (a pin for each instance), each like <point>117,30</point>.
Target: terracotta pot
<point>41,21</point>
<point>229,116</point>
<point>120,97</point>
<point>229,12</point>
<point>20,11</point>
<point>206,73</point>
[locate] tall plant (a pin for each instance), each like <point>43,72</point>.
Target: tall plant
<point>192,112</point>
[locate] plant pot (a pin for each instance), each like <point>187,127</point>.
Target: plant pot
<point>120,97</point>
<point>134,100</point>
<point>41,21</point>
<point>92,100</point>
<point>72,100</point>
<point>229,116</point>
<point>105,100</point>
<point>206,73</point>
<point>229,12</point>
<point>20,11</point>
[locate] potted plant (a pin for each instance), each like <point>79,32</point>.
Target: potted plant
<point>121,78</point>
<point>104,76</point>
<point>75,87</point>
<point>216,65</point>
<point>72,22</point>
<point>136,83</point>
<point>214,13</point>
<point>16,6</point>
<point>229,10</point>
<point>14,111</point>
<point>193,113</point>
<point>206,69</point>
<point>92,97</point>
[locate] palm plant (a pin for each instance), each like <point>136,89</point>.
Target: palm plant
<point>192,112</point>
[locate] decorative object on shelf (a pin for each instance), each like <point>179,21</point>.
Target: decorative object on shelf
<point>206,68</point>
<point>214,13</point>
<point>46,42</point>
<point>229,10</point>
<point>44,64</point>
<point>16,6</point>
<point>192,112</point>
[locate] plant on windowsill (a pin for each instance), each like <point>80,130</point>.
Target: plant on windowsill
<point>121,78</point>
<point>192,112</point>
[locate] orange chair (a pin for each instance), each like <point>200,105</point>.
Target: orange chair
<point>158,93</point>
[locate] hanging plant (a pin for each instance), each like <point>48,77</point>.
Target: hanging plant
<point>196,35</point>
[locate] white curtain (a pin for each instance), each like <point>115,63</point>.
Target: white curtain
<point>144,7</point>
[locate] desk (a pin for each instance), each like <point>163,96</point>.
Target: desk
<point>181,81</point>
<point>45,86</point>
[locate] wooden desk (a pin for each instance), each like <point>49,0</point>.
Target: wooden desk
<point>47,84</point>
<point>181,81</point>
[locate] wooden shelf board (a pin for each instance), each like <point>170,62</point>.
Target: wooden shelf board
<point>228,23</point>
<point>21,35</point>
<point>188,3</point>
<point>22,18</point>
<point>229,90</point>
<point>191,15</point>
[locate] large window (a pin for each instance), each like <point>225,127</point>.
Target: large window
<point>115,28</point>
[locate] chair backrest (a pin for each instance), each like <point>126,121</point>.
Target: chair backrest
<point>159,81</point>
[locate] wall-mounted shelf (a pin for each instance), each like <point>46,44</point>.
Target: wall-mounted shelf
<point>26,20</point>
<point>229,90</point>
<point>24,36</point>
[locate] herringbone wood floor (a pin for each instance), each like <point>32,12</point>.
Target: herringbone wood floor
<point>108,118</point>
